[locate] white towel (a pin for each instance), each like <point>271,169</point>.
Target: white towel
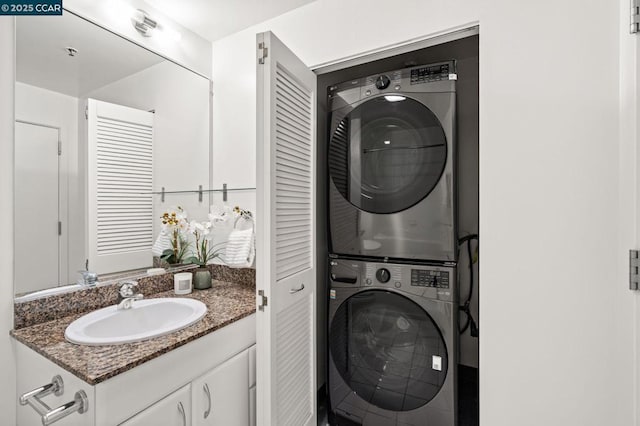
<point>162,243</point>
<point>241,248</point>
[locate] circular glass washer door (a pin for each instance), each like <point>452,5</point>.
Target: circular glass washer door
<point>386,154</point>
<point>388,350</point>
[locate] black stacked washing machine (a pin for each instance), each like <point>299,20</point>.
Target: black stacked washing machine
<point>392,298</point>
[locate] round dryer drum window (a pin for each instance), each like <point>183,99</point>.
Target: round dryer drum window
<point>388,350</point>
<point>386,154</point>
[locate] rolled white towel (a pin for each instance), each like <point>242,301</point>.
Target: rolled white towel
<point>241,248</point>
<point>162,243</point>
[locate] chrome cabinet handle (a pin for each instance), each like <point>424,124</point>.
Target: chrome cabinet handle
<point>184,416</point>
<point>295,290</point>
<point>206,391</point>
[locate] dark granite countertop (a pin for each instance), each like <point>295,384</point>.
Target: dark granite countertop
<point>226,303</point>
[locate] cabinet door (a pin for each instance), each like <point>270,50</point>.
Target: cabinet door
<point>221,397</point>
<point>173,410</point>
<point>286,237</point>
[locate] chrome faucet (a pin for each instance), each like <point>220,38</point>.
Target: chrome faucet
<point>127,293</point>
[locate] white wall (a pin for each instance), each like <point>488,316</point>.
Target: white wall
<point>42,106</point>
<point>234,112</point>
<point>551,295</point>
<point>548,212</point>
<point>7,358</point>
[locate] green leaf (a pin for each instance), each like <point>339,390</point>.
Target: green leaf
<point>194,260</point>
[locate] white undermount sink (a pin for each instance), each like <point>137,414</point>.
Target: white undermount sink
<point>144,320</point>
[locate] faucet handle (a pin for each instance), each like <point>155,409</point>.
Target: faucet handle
<point>128,289</point>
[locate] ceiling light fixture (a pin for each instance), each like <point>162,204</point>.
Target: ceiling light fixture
<point>148,26</point>
<point>143,23</point>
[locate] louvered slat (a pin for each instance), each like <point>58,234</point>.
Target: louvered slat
<point>124,170</point>
<point>293,176</point>
<point>293,353</point>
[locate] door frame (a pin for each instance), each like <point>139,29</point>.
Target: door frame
<point>469,29</point>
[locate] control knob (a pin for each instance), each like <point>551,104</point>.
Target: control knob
<point>382,82</point>
<point>383,275</point>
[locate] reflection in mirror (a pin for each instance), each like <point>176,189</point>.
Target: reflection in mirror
<point>103,127</point>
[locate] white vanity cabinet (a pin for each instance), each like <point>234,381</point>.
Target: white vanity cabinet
<point>221,397</point>
<point>173,410</point>
<point>158,391</point>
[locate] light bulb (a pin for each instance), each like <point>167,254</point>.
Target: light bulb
<point>394,98</point>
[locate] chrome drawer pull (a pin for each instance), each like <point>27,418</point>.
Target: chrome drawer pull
<point>295,290</point>
<point>206,390</point>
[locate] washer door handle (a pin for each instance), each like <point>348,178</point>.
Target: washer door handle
<point>295,290</point>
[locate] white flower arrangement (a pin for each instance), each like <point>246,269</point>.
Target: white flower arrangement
<point>175,224</point>
<point>202,231</point>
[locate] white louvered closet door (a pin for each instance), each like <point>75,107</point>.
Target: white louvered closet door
<point>286,327</point>
<point>120,181</point>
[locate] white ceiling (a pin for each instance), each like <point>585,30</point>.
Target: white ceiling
<point>41,58</point>
<point>215,19</point>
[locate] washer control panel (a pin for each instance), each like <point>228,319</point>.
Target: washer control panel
<point>429,281</point>
<point>429,278</point>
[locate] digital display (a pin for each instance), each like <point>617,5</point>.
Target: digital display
<point>429,278</point>
<point>433,73</point>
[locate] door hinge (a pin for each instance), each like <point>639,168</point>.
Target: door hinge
<point>262,300</point>
<point>86,112</point>
<point>263,52</point>
<point>59,147</point>
<point>634,264</point>
<point>635,17</point>
<point>59,228</point>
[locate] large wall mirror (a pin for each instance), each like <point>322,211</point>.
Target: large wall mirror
<point>108,136</point>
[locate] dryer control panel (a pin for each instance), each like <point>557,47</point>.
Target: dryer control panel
<point>431,73</point>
